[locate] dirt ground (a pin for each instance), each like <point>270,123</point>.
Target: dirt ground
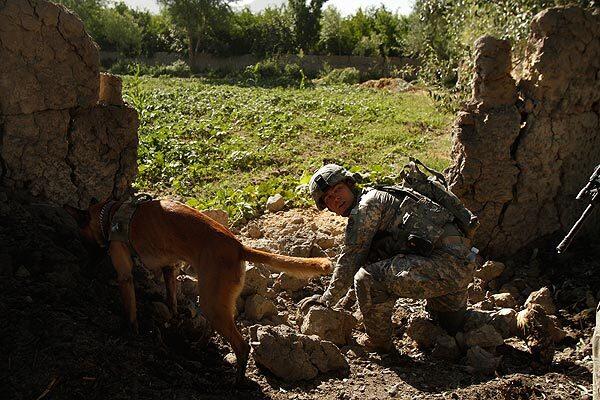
<point>61,335</point>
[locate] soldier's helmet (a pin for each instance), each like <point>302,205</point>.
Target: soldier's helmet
<point>327,176</point>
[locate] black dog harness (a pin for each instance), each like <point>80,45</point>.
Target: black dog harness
<point>118,227</point>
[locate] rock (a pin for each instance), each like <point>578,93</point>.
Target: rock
<point>292,356</point>
<point>189,286</point>
<point>280,318</point>
<point>475,290</point>
<point>505,322</point>
<point>489,270</point>
<point>325,242</point>
<point>257,307</point>
<point>504,300</point>
<point>297,220</point>
<point>510,288</point>
<point>424,332</point>
<point>544,299</point>
<point>218,215</point>
<point>481,361</point>
<point>300,250</point>
<point>253,231</point>
<point>255,282</point>
<point>197,329</point>
<point>445,348</point>
<point>275,203</point>
<point>485,336</point>
<point>556,332</point>
<point>22,272</point>
<point>486,304</point>
<point>536,328</point>
<point>333,325</point>
<point>288,283</point>
<point>393,391</point>
<point>161,311</point>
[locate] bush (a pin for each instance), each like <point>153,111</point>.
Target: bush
<point>178,69</point>
<point>335,76</point>
<point>272,72</point>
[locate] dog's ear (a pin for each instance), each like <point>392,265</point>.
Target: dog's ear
<point>81,216</point>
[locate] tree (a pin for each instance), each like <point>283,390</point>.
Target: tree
<point>336,36</point>
<point>198,18</point>
<point>307,22</point>
<point>111,28</point>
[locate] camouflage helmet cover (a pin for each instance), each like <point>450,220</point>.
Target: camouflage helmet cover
<point>325,177</point>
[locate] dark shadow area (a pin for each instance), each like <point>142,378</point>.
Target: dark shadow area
<point>62,334</point>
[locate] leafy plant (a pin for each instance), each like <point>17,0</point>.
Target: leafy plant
<point>340,76</point>
<point>231,147</point>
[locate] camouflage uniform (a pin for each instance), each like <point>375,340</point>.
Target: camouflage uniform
<point>377,260</point>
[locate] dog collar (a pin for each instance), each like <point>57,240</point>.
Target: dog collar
<point>105,220</point>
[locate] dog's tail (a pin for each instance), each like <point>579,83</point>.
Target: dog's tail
<point>296,266</point>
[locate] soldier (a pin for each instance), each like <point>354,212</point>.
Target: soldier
<point>397,244</point>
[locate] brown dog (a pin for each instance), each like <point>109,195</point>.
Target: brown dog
<point>164,233</point>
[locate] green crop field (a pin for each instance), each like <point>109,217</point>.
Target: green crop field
<point>231,147</point>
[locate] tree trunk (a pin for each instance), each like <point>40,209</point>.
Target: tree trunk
<point>191,51</point>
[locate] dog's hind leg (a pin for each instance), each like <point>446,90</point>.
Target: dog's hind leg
<point>171,288</point>
<point>218,291</point>
<point>121,260</point>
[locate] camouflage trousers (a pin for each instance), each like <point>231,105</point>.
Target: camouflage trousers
<point>441,278</point>
<point>596,356</point>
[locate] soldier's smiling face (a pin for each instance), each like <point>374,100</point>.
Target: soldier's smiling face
<point>339,199</point>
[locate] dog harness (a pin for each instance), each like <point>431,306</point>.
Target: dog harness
<point>118,227</point>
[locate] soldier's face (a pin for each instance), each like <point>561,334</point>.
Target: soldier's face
<point>339,199</point>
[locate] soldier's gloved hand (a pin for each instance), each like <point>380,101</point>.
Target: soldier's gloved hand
<point>306,303</point>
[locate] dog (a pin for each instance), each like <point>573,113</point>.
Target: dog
<point>165,233</point>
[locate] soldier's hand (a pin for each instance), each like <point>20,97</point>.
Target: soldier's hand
<point>306,303</point>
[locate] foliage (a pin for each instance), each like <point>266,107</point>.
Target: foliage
<point>110,29</point>
<point>306,22</point>
<point>339,76</point>
<point>273,72</point>
<point>178,68</point>
<point>443,32</point>
<point>122,29</point>
<point>158,33</point>
<point>200,19</point>
<point>232,147</point>
<point>266,33</point>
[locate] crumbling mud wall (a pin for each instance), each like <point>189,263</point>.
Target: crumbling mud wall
<point>59,141</point>
<point>522,150</point>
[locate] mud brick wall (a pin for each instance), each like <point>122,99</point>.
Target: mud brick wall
<point>522,150</point>
<point>58,141</point>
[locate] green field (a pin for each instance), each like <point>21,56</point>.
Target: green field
<point>230,147</point>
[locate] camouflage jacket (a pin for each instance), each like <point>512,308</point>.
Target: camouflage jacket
<point>377,229</point>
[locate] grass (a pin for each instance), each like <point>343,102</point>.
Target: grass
<point>230,147</point>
